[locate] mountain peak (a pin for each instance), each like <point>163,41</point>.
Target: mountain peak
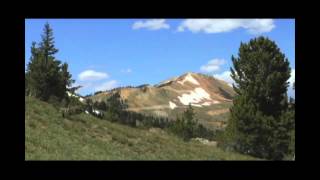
<point>188,77</point>
<point>190,73</point>
<point>169,97</point>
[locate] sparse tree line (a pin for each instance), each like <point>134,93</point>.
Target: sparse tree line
<point>118,88</point>
<point>114,110</point>
<point>187,126</point>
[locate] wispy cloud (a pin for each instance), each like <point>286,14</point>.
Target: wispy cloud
<point>213,65</point>
<point>225,76</point>
<point>128,70</point>
<point>106,85</point>
<point>92,81</point>
<point>91,75</point>
<point>253,26</point>
<point>154,24</point>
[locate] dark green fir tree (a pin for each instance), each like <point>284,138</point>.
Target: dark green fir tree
<point>260,122</point>
<point>46,77</point>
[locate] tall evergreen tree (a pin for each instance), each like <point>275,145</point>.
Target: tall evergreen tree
<point>66,80</point>
<point>35,75</point>
<point>45,76</point>
<point>186,126</point>
<point>191,122</point>
<point>115,106</point>
<point>47,44</point>
<point>260,74</point>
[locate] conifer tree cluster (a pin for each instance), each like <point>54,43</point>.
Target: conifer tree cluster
<point>46,77</point>
<point>115,110</point>
<point>187,126</point>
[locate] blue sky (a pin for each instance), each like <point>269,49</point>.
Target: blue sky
<point>106,53</point>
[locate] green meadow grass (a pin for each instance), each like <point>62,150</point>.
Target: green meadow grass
<point>48,136</point>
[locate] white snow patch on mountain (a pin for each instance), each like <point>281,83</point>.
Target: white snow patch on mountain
<point>216,102</point>
<point>195,96</point>
<point>69,94</point>
<point>197,105</point>
<point>172,105</point>
<point>206,104</point>
<point>190,79</point>
<point>81,99</point>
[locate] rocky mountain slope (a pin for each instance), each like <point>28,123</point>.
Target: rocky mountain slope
<point>209,96</point>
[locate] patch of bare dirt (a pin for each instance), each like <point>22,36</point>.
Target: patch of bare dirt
<point>217,112</point>
<point>218,124</point>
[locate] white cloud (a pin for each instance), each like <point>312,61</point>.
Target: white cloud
<point>213,65</point>
<point>225,76</point>
<point>106,85</point>
<point>90,75</point>
<point>292,78</point>
<point>92,81</point>
<point>253,26</point>
<point>126,70</point>
<point>154,24</point>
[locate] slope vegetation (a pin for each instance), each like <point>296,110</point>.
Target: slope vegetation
<point>83,137</point>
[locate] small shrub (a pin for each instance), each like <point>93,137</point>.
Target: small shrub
<point>54,100</point>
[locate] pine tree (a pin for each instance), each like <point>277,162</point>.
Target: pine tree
<point>66,78</point>
<point>102,106</point>
<point>260,74</point>
<point>47,44</point>
<point>186,125</point>
<point>35,73</point>
<point>89,105</point>
<point>289,117</point>
<point>45,76</point>
<point>191,122</point>
<point>115,106</point>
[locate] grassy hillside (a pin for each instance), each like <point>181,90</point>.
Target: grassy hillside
<point>84,137</point>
